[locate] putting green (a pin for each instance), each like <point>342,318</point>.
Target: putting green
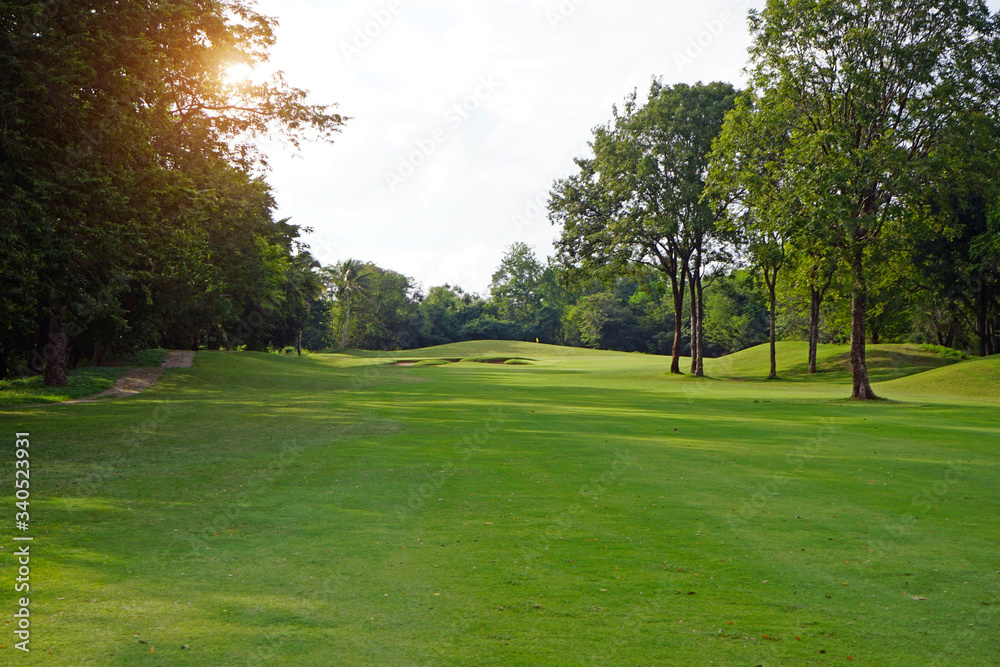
<point>582,509</point>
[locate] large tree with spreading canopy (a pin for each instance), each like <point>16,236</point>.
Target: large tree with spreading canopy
<point>128,167</point>
<point>863,90</point>
<point>638,201</point>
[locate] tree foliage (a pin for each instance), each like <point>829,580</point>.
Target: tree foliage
<point>638,201</point>
<point>131,179</point>
<point>515,283</point>
<point>863,91</point>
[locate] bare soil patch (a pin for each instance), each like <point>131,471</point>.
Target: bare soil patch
<point>137,380</point>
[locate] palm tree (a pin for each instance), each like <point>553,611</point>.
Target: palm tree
<point>348,278</point>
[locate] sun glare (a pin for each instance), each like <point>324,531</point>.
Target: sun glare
<point>237,73</point>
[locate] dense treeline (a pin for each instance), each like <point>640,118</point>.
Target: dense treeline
<point>133,213</point>
<point>530,300</point>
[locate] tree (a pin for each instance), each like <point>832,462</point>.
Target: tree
<point>767,248</point>
<point>388,316</point>
<point>441,311</point>
<point>348,279</point>
<point>318,332</point>
<point>820,270</point>
<point>301,288</point>
<point>638,200</point>
<point>515,283</point>
<point>591,316</point>
<point>958,258</point>
<point>107,140</point>
<point>747,184</point>
<point>863,90</point>
<point>735,318</point>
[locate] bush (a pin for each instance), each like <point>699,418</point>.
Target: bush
<point>944,352</point>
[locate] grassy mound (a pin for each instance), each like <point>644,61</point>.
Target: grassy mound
<point>484,348</point>
<point>975,379</point>
<point>433,362</point>
<point>885,362</point>
<point>511,361</point>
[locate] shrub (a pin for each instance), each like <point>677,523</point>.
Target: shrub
<point>944,352</point>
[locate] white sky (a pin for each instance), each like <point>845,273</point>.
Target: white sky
<point>537,76</point>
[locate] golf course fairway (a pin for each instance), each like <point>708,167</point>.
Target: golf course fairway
<point>569,507</point>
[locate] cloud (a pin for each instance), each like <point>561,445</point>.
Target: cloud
<point>450,220</point>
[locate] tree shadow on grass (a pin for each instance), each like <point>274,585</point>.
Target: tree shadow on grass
<point>883,365</point>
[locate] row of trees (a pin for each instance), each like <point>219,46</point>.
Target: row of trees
<point>864,147</point>
<point>133,210</point>
<point>532,299</point>
<point>366,306</point>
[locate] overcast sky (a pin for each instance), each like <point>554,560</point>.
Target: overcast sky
<point>464,113</point>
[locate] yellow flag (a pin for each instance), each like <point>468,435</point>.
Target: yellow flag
<point>536,340</point>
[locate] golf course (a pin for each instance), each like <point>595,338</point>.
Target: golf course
<point>502,503</point>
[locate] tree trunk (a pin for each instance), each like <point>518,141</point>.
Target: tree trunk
<point>694,322</point>
<point>874,322</point>
<point>347,319</point>
<point>814,310</point>
<point>75,356</point>
<point>946,337</point>
<point>55,354</point>
<point>984,343</point>
<point>675,363</point>
<point>859,310</point>
<point>989,335</point>
<point>100,355</point>
<point>697,366</point>
<point>678,288</point>
<point>700,371</point>
<point>772,288</point>
<point>984,326</point>
<point>298,344</point>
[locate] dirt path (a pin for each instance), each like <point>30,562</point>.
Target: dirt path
<point>137,380</point>
<point>179,359</point>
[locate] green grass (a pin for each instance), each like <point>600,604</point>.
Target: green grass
<point>946,352</point>
<point>432,362</point>
<point>153,357</point>
<point>494,359</point>
<point>976,378</point>
<point>585,510</point>
<point>81,383</point>
<point>885,362</point>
